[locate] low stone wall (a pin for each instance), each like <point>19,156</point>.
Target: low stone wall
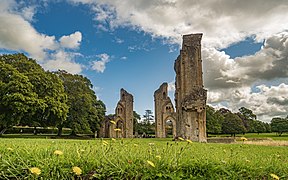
<point>221,140</point>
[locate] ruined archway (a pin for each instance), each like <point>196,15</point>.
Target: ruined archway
<point>170,127</point>
<point>121,124</point>
<point>164,111</point>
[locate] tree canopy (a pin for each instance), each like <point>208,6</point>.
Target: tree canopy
<point>85,111</point>
<point>31,96</point>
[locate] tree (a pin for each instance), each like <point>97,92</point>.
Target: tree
<point>279,125</point>
<point>214,120</point>
<point>148,116</point>
<point>259,126</point>
<point>136,119</point>
<point>147,126</point>
<point>232,124</point>
<point>85,111</point>
<point>17,98</point>
<point>248,118</point>
<point>49,90</point>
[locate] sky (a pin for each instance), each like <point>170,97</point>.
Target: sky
<point>132,44</point>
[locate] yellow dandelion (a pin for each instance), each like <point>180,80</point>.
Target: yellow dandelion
<point>243,139</point>
<point>189,141</point>
<point>58,152</point>
<point>151,163</point>
<point>9,149</point>
<point>113,122</point>
<point>113,139</point>
<point>35,170</point>
<point>180,138</point>
<point>274,176</point>
<point>117,129</point>
<point>105,143</point>
<point>158,156</point>
<point>136,145</point>
<point>77,170</point>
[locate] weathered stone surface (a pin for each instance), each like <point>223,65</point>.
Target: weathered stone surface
<point>164,111</point>
<point>190,96</point>
<point>121,124</point>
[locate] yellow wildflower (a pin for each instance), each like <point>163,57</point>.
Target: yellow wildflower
<point>105,143</point>
<point>180,138</point>
<point>117,129</point>
<point>9,149</point>
<point>243,139</point>
<point>35,170</point>
<point>189,141</point>
<point>113,122</point>
<point>159,157</point>
<point>274,176</point>
<point>77,170</point>
<point>151,163</point>
<point>58,152</point>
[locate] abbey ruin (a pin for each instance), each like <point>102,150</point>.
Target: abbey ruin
<point>121,124</point>
<point>189,119</point>
<point>164,111</point>
<point>190,95</point>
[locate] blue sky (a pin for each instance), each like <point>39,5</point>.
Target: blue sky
<point>133,45</point>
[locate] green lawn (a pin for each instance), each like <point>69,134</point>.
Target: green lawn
<point>274,136</point>
<point>139,158</point>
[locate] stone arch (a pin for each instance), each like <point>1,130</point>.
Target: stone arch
<point>119,125</point>
<point>173,121</point>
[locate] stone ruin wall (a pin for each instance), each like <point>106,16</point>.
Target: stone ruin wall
<point>123,119</point>
<point>190,95</point>
<point>164,111</point>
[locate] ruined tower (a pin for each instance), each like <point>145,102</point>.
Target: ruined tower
<point>164,111</point>
<point>190,95</point>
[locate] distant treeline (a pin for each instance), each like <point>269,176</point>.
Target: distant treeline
<point>223,121</point>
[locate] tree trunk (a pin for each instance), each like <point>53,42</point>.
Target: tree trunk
<point>35,131</point>
<point>60,131</point>
<point>73,133</point>
<point>3,131</point>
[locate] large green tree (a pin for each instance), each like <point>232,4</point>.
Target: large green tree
<point>47,86</point>
<point>232,124</point>
<point>17,99</point>
<point>248,118</point>
<point>85,111</point>
<point>214,120</point>
<point>279,125</point>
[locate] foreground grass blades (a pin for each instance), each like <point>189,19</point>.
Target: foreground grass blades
<point>138,158</point>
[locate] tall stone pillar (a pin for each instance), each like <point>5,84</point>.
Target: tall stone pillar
<point>190,95</point>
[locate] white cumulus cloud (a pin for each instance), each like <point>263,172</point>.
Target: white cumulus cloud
<point>100,64</point>
<point>71,41</point>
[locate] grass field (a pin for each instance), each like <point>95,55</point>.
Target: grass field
<point>138,159</point>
